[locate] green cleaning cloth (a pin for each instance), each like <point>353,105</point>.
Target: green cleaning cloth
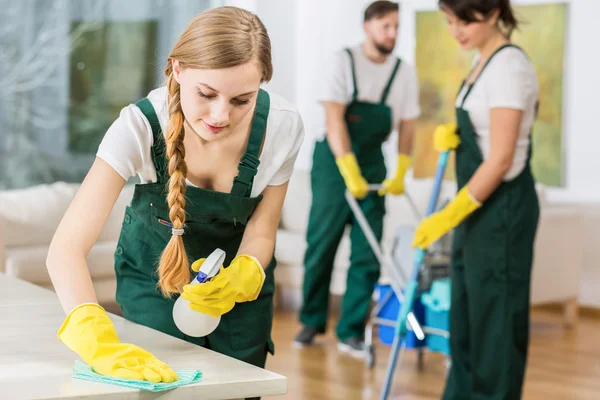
<point>186,376</point>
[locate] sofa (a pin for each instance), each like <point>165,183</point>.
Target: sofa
<point>29,217</point>
<point>28,220</point>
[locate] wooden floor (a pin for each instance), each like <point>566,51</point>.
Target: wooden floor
<point>563,365</point>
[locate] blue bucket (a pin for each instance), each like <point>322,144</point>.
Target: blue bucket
<point>390,311</point>
<point>437,314</point>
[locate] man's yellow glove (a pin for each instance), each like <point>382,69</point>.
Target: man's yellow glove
<point>445,137</point>
<point>238,283</point>
<point>396,184</point>
<point>438,224</point>
<point>355,182</point>
<point>89,332</point>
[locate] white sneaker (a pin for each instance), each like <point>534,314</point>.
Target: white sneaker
<point>353,346</point>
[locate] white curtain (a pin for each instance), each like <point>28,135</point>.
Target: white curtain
<point>66,66</point>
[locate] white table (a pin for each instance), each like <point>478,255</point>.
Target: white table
<point>34,364</point>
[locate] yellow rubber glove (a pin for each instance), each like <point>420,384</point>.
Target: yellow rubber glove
<point>238,283</point>
<point>396,184</point>
<point>438,224</point>
<point>355,182</point>
<point>445,137</point>
<point>89,332</point>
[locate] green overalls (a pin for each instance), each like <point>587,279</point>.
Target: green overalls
<point>213,220</point>
<point>369,125</point>
<point>491,272</point>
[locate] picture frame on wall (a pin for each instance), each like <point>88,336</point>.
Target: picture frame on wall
<point>442,65</point>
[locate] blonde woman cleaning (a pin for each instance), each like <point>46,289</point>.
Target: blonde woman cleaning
<point>214,154</point>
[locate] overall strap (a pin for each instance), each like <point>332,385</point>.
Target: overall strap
<point>353,68</point>
<point>158,146</point>
<point>386,91</point>
<point>248,167</point>
<point>482,69</point>
<point>462,85</point>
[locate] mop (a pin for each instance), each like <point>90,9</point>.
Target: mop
<point>396,274</point>
<point>412,285</point>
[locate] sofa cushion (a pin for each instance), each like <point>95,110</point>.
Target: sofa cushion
<point>30,216</point>
<point>29,263</point>
<point>294,215</point>
<point>290,247</point>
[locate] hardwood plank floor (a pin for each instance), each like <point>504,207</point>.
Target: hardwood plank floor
<point>563,365</point>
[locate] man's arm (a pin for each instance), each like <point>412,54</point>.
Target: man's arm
<point>409,110</point>
<point>337,130</point>
<point>339,142</point>
<point>406,133</point>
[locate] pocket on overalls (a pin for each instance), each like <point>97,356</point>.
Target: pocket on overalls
<point>160,222</point>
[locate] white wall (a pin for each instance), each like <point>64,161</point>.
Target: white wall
<point>276,15</point>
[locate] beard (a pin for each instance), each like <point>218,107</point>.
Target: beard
<point>383,49</point>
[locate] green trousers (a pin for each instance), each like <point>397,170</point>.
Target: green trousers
<point>330,214</point>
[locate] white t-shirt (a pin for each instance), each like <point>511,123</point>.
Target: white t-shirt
<point>128,142</point>
<point>508,81</point>
<point>337,85</point>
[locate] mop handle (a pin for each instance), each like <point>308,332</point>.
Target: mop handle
<point>437,185</point>
<point>419,255</point>
<point>411,203</point>
<point>412,286</point>
<point>433,201</point>
<point>370,236</point>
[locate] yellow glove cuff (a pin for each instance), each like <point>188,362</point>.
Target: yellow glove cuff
<point>251,261</point>
<point>257,263</point>
<point>86,324</point>
<point>348,165</point>
<point>81,311</point>
<point>462,206</point>
<point>404,162</point>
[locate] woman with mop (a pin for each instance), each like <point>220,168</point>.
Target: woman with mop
<point>496,210</point>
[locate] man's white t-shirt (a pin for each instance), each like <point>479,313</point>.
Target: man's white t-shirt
<point>127,144</point>
<point>372,78</point>
<point>508,81</point>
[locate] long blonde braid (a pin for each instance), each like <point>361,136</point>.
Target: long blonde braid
<point>218,38</point>
<point>173,270</point>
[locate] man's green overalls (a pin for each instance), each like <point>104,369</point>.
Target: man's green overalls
<point>369,125</point>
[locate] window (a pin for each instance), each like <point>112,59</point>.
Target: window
<point>67,68</point>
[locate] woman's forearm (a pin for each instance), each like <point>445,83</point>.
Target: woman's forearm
<point>77,232</point>
<point>71,278</point>
<point>487,178</point>
<point>261,231</point>
<point>259,247</point>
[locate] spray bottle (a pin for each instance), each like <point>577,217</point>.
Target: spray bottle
<point>194,323</point>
